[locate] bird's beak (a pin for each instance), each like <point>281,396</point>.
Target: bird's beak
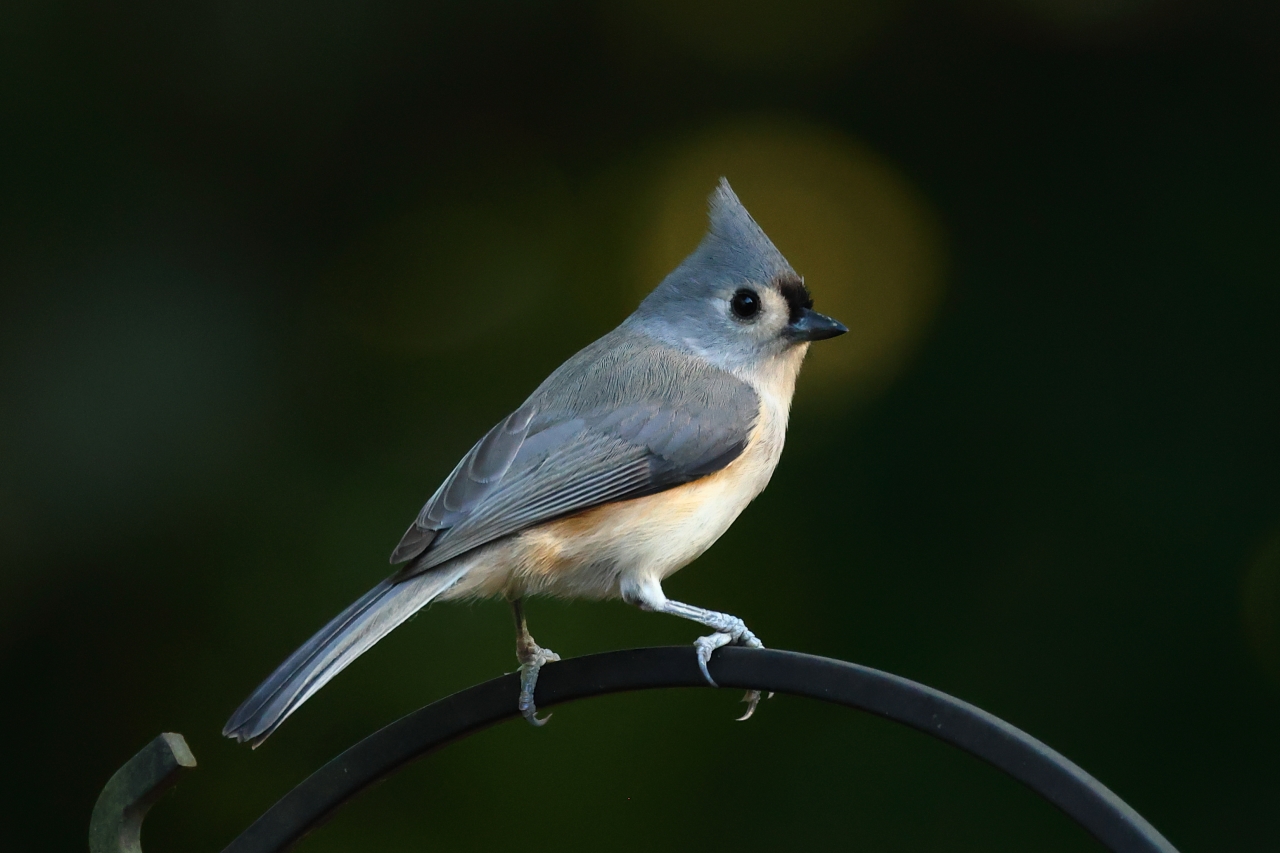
<point>813,326</point>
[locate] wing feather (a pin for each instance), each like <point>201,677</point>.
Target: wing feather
<point>622,419</point>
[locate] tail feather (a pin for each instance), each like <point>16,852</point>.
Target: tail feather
<point>347,636</point>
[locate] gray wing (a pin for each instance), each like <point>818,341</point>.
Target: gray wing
<point>622,419</point>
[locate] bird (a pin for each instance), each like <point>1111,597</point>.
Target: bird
<point>626,464</point>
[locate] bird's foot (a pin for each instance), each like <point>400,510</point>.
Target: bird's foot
<point>704,646</point>
<point>531,661</point>
<point>733,630</point>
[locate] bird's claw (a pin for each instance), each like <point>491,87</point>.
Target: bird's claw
<point>530,664</point>
<point>737,634</point>
<point>705,646</point>
<point>752,698</point>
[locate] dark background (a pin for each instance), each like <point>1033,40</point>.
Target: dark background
<point>269,269</point>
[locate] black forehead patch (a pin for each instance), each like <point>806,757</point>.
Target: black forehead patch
<point>792,288</point>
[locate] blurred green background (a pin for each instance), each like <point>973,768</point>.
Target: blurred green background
<point>269,269</point>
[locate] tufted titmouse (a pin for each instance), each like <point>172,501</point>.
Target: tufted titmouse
<point>627,463</point>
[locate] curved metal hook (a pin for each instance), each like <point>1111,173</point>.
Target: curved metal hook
<point>132,790</point>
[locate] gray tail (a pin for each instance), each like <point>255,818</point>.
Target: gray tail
<point>350,634</point>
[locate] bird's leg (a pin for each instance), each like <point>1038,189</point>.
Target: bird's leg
<point>531,657</point>
<point>728,629</point>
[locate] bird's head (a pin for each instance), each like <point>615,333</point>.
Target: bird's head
<point>735,301</point>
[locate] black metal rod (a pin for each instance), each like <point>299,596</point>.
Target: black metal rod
<point>958,723</point>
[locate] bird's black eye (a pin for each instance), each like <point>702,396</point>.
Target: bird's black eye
<point>745,303</point>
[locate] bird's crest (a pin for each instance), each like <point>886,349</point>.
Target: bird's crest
<point>735,248</point>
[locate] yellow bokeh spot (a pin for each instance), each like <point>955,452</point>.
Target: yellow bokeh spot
<point>869,246</point>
